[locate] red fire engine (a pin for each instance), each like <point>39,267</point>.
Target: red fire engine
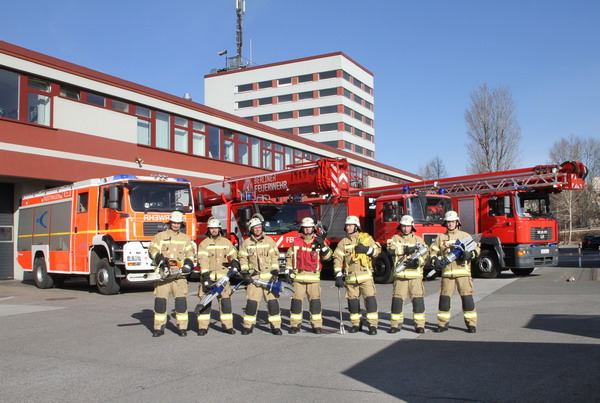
<point>511,209</point>
<point>99,228</point>
<point>275,196</point>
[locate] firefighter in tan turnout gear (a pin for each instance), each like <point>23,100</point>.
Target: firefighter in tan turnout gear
<point>215,254</point>
<point>408,275</point>
<point>167,248</point>
<point>456,274</point>
<point>303,267</point>
<point>352,263</point>
<point>259,258</point>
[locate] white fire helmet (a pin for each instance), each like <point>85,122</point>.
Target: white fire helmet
<point>176,216</point>
<point>352,220</point>
<point>307,222</point>
<point>451,216</point>
<point>213,223</point>
<point>407,220</point>
<point>254,222</point>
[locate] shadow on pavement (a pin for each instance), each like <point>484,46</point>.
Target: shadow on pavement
<point>579,325</point>
<point>426,370</point>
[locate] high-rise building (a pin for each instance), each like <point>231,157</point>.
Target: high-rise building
<point>326,98</point>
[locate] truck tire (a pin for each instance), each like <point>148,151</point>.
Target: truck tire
<point>40,274</point>
<point>106,280</point>
<point>382,269</point>
<point>522,272</point>
<point>487,265</point>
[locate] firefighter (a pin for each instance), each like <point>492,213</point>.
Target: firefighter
<point>214,252</point>
<point>259,258</point>
<point>167,246</point>
<point>410,280</point>
<point>303,267</point>
<point>352,262</point>
<point>456,274</point>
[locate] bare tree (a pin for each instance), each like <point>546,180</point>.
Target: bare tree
<point>434,169</point>
<point>493,130</point>
<point>579,209</point>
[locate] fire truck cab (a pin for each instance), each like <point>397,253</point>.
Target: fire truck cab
<point>99,228</point>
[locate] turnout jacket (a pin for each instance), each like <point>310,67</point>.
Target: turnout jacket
<point>304,258</point>
<point>259,256</point>
<point>173,245</point>
<point>442,246</point>
<point>401,244</point>
<point>357,266</point>
<point>213,253</point>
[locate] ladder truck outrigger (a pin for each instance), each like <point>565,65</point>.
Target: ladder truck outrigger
<point>275,197</point>
<point>511,209</point>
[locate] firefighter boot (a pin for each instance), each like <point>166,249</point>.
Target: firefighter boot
<point>471,329</point>
<point>202,332</point>
<point>247,330</point>
<point>158,332</point>
<point>293,330</point>
<point>227,330</point>
<point>276,331</point>
<point>372,331</point>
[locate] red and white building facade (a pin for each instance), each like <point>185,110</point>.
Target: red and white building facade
<point>61,123</point>
<point>326,98</point>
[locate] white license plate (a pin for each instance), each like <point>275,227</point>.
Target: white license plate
<point>544,251</point>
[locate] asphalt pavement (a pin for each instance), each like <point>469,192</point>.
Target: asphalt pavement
<point>538,339</point>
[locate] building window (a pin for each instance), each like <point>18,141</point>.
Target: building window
<point>243,156</point>
<point>358,99</point>
<point>369,137</point>
<point>305,112</point>
<point>244,87</point>
<point>265,118</point>
<point>358,132</point>
<point>119,106</point>
<point>331,143</point>
<point>305,78</point>
<point>144,126</point>
<point>95,99</point>
<point>368,105</point>
<point>265,101</point>
<point>358,149</point>
<point>305,95</point>
<point>181,134</point>
<point>347,128</point>
<point>358,116</point>
<point>199,139</point>
<point>70,92</point>
<point>245,104</point>
<point>347,111</point>
<point>255,148</point>
<point>347,94</point>
<point>38,104</point>
<point>368,89</point>
<point>265,84</point>
<point>284,98</point>
<point>228,146</point>
<point>289,156</point>
<point>368,121</point>
<point>328,92</point>
<point>285,115</point>
<point>369,153</point>
<point>267,155</point>
<point>357,83</point>
<point>163,130</point>
<point>327,109</point>
<point>214,149</point>
<point>329,127</point>
<point>327,74</point>
<point>278,156</point>
<point>284,81</point>
<point>306,130</point>
<point>9,95</point>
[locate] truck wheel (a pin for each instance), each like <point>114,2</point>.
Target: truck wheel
<point>382,269</point>
<point>106,280</point>
<point>40,274</point>
<point>487,265</point>
<point>522,272</point>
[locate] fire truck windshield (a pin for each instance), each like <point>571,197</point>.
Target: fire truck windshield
<point>160,196</point>
<point>283,218</point>
<point>428,209</point>
<point>533,205</point>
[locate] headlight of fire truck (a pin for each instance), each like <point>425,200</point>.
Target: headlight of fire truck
<point>135,256</point>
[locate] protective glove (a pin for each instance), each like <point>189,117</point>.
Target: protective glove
<point>412,264</point>
<point>274,275</point>
<point>410,250</point>
<point>466,255</point>
<point>235,266</point>
<point>158,258</point>
<point>245,274</point>
<point>187,267</point>
<point>436,264</point>
<point>287,277</point>
<point>339,280</point>
<point>206,283</point>
<point>367,250</point>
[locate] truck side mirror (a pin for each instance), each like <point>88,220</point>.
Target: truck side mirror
<point>113,197</point>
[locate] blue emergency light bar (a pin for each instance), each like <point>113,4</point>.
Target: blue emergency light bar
<point>124,176</point>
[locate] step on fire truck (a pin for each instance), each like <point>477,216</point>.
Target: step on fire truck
<point>99,228</point>
<point>276,197</point>
<point>511,209</point>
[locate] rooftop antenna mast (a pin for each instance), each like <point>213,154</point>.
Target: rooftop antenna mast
<point>240,9</point>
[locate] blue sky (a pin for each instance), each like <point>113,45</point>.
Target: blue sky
<point>427,57</point>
